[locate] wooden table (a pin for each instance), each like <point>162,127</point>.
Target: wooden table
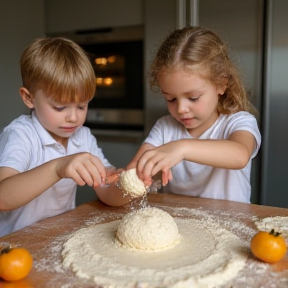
<point>45,238</point>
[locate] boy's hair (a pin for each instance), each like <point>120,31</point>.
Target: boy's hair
<point>200,50</point>
<point>60,68</point>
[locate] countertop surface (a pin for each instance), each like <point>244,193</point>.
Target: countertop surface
<point>45,238</point>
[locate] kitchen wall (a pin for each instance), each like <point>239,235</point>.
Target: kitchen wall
<point>20,22</point>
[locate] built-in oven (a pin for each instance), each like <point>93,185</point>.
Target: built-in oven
<point>117,57</point>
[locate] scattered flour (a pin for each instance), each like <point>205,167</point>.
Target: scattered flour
<point>279,224</point>
<point>150,229</point>
<point>207,256</point>
<point>254,274</point>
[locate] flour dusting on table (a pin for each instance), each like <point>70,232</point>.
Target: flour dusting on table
<point>207,256</point>
<point>278,223</point>
<point>254,273</point>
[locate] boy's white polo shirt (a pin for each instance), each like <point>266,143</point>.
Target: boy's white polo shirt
<point>24,145</point>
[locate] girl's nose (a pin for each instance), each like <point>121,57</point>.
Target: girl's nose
<point>182,106</point>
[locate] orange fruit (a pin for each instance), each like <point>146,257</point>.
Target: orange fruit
<point>269,247</point>
<point>15,263</point>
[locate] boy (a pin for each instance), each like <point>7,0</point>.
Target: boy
<point>45,155</point>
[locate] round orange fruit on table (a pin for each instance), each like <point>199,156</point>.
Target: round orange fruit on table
<point>15,263</point>
<point>269,247</point>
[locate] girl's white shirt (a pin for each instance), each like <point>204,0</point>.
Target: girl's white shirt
<point>198,180</point>
<point>24,145</point>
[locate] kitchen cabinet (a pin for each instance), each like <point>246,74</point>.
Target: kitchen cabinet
<point>62,15</point>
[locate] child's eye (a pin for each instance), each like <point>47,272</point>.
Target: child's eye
<point>82,107</point>
<point>58,108</point>
<point>170,100</point>
<point>194,99</point>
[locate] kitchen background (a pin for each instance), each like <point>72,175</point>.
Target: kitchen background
<point>256,31</point>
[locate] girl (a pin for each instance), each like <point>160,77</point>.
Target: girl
<point>205,146</point>
<point>43,156</point>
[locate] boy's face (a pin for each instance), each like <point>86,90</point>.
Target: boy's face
<point>60,120</point>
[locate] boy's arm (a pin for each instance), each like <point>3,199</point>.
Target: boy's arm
<point>111,195</point>
<point>18,189</point>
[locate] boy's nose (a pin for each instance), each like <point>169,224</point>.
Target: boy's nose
<point>72,116</point>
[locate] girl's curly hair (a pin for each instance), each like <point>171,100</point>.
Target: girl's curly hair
<point>201,51</point>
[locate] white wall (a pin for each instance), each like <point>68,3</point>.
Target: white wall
<point>20,22</point>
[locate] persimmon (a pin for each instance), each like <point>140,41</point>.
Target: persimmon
<point>269,247</point>
<point>15,263</point>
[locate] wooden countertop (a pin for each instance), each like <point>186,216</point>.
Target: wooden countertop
<point>45,238</point>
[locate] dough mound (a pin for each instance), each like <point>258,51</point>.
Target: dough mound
<point>148,229</point>
<point>131,184</point>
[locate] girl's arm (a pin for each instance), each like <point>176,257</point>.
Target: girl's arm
<point>233,153</point>
<point>18,189</point>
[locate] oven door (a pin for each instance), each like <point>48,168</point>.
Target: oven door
<point>118,70</point>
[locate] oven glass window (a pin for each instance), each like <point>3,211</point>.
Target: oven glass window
<point>110,76</point>
<point>119,73</point>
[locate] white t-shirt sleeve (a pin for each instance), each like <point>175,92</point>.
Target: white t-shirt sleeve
<point>246,122</point>
<point>16,149</point>
<point>165,130</point>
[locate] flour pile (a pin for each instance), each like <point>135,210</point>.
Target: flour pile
<point>207,256</point>
<point>148,229</point>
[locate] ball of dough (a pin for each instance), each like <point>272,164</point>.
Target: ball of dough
<point>148,229</point>
<point>131,184</point>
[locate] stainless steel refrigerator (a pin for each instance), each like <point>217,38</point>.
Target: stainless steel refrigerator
<point>257,33</point>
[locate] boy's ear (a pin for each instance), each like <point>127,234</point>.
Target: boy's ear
<point>26,97</point>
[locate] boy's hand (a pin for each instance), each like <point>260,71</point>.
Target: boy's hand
<point>83,168</point>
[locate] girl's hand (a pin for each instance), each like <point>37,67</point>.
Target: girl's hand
<point>161,158</point>
<point>166,177</point>
<point>83,168</point>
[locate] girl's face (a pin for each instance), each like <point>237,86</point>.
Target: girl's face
<point>191,99</point>
<point>60,120</point>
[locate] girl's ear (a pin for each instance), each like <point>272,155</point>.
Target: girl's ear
<point>221,89</point>
<point>26,97</point>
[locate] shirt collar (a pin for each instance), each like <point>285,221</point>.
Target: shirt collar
<point>47,139</point>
